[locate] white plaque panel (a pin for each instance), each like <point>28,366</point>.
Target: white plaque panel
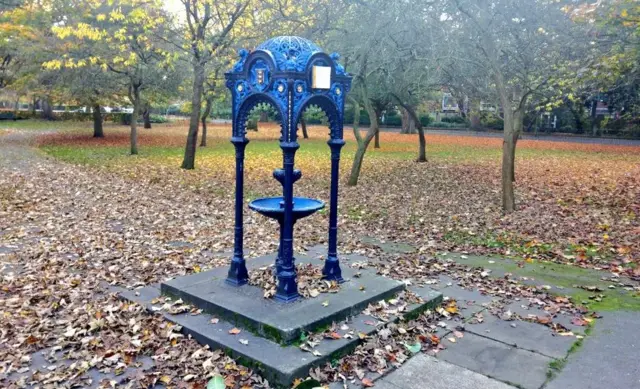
<point>321,77</point>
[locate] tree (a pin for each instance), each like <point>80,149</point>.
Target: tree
<point>24,45</point>
<point>610,71</point>
<point>122,37</point>
<point>522,46</point>
<point>208,25</point>
<point>93,87</point>
<point>410,67</point>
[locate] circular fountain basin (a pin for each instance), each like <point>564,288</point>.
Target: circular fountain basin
<point>273,207</point>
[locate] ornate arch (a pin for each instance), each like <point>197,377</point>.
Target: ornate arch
<point>329,107</point>
<point>242,114</point>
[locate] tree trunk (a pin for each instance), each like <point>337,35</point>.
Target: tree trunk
<point>146,115</point>
<point>303,124</point>
<point>205,115</point>
<point>363,144</point>
<point>408,123</point>
<point>358,158</point>
<point>135,100</point>
<point>97,121</point>
<point>33,106</point>
<point>47,109</point>
<point>513,123</point>
<point>189,161</point>
<point>422,146</point>
<point>377,136</point>
<point>594,117</point>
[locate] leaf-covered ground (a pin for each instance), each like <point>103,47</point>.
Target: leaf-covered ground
<point>93,216</point>
<point>577,203</point>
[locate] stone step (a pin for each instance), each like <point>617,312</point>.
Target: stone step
<point>246,308</point>
<point>280,364</point>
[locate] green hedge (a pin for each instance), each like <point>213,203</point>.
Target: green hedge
<point>364,117</point>
<point>252,124</point>
<point>425,120</point>
<point>446,125</point>
<point>454,119</point>
<point>392,120</point>
<point>158,119</point>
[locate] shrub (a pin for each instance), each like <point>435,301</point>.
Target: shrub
<point>393,120</point>
<point>158,119</point>
<point>315,116</point>
<point>119,117</point>
<point>445,125</point>
<point>489,120</point>
<point>252,124</point>
<point>454,119</point>
<point>425,120</point>
<point>364,117</point>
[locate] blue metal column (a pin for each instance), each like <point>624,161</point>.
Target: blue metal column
<point>331,269</point>
<point>287,290</point>
<point>238,274</point>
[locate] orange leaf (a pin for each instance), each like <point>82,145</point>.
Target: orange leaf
<point>367,383</point>
<point>235,331</point>
<point>543,319</point>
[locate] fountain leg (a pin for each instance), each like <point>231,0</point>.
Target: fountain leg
<point>287,287</point>
<point>279,257</point>
<point>332,269</point>
<point>238,274</point>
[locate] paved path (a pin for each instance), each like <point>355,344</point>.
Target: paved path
<point>608,359</point>
<point>424,371</point>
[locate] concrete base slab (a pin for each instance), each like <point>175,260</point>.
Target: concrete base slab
<point>246,308</point>
<point>423,371</point>
<point>497,360</point>
<point>524,335</point>
<point>280,364</point>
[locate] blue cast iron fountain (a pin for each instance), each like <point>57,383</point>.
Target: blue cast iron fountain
<point>290,73</point>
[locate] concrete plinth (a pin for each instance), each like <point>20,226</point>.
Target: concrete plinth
<point>245,306</point>
<point>267,327</point>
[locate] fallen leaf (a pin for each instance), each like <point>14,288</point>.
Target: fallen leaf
<point>217,382</point>
<point>580,322</point>
<point>235,331</point>
<point>413,348</point>
<point>543,319</point>
<point>367,383</point>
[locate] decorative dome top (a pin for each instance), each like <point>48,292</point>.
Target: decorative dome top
<point>290,52</point>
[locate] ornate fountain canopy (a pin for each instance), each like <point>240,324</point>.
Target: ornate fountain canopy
<point>290,54</point>
<point>290,73</point>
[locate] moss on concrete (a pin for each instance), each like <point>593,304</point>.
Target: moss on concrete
<point>569,278</point>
